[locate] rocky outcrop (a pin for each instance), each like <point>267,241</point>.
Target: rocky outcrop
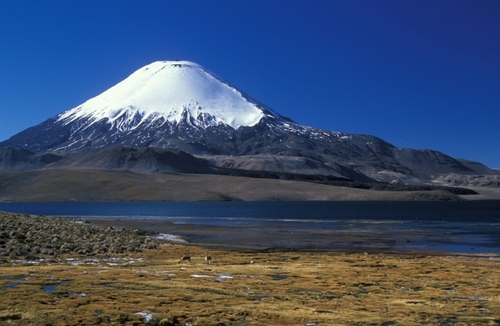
<point>470,180</point>
<point>22,159</point>
<point>145,159</point>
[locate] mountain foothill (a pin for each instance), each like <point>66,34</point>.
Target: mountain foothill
<point>177,120</point>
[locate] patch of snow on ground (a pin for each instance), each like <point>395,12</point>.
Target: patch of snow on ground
<point>147,316</point>
<point>169,237</point>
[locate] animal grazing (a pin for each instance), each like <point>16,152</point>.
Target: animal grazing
<point>184,258</point>
<point>208,258</point>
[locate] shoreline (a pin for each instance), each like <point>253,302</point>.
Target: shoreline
<point>291,239</point>
<point>374,237</point>
<point>340,252</point>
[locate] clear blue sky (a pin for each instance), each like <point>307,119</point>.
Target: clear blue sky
<point>418,74</point>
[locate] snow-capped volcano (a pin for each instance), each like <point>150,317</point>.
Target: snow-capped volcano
<point>168,91</point>
<point>166,104</point>
<point>180,105</point>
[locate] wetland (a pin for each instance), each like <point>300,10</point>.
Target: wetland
<point>138,280</point>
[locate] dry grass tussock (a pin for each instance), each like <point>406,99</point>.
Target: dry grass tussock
<point>25,236</point>
<point>244,288</point>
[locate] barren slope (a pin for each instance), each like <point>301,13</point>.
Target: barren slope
<point>96,185</point>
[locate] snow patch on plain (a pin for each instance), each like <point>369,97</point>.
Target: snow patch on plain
<point>169,237</point>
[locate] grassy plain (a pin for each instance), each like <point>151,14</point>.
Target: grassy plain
<point>251,288</point>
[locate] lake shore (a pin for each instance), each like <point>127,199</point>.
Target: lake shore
<point>242,287</point>
<point>373,236</point>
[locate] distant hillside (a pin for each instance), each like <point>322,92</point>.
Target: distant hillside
<point>21,159</point>
<point>144,159</point>
<point>101,185</point>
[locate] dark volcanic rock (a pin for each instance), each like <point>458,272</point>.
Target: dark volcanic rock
<point>21,159</point>
<point>145,159</point>
<point>356,157</point>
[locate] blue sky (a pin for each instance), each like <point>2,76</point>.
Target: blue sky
<point>418,74</point>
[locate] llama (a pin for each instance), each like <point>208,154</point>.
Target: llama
<point>184,258</point>
<point>208,258</point>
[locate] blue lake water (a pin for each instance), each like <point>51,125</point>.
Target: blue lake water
<point>465,227</point>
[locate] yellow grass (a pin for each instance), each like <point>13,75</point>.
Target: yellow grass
<point>289,288</point>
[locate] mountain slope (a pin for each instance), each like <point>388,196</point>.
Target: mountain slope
<point>102,185</point>
<point>179,104</point>
<point>144,159</point>
<point>22,159</point>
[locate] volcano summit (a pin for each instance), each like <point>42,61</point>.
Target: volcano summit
<point>180,105</point>
<point>169,92</point>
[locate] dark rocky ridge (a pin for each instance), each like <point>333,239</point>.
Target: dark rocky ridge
<point>144,159</point>
<point>357,157</point>
<point>21,159</point>
<point>150,161</point>
<point>124,158</point>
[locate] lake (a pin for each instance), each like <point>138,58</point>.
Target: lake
<point>469,227</point>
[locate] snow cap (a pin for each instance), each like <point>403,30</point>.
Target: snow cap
<point>171,90</point>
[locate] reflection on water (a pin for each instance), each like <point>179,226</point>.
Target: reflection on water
<point>52,287</point>
<point>465,227</point>
<point>49,288</point>
<point>13,281</point>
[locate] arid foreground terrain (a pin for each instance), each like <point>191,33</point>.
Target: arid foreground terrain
<point>149,286</point>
